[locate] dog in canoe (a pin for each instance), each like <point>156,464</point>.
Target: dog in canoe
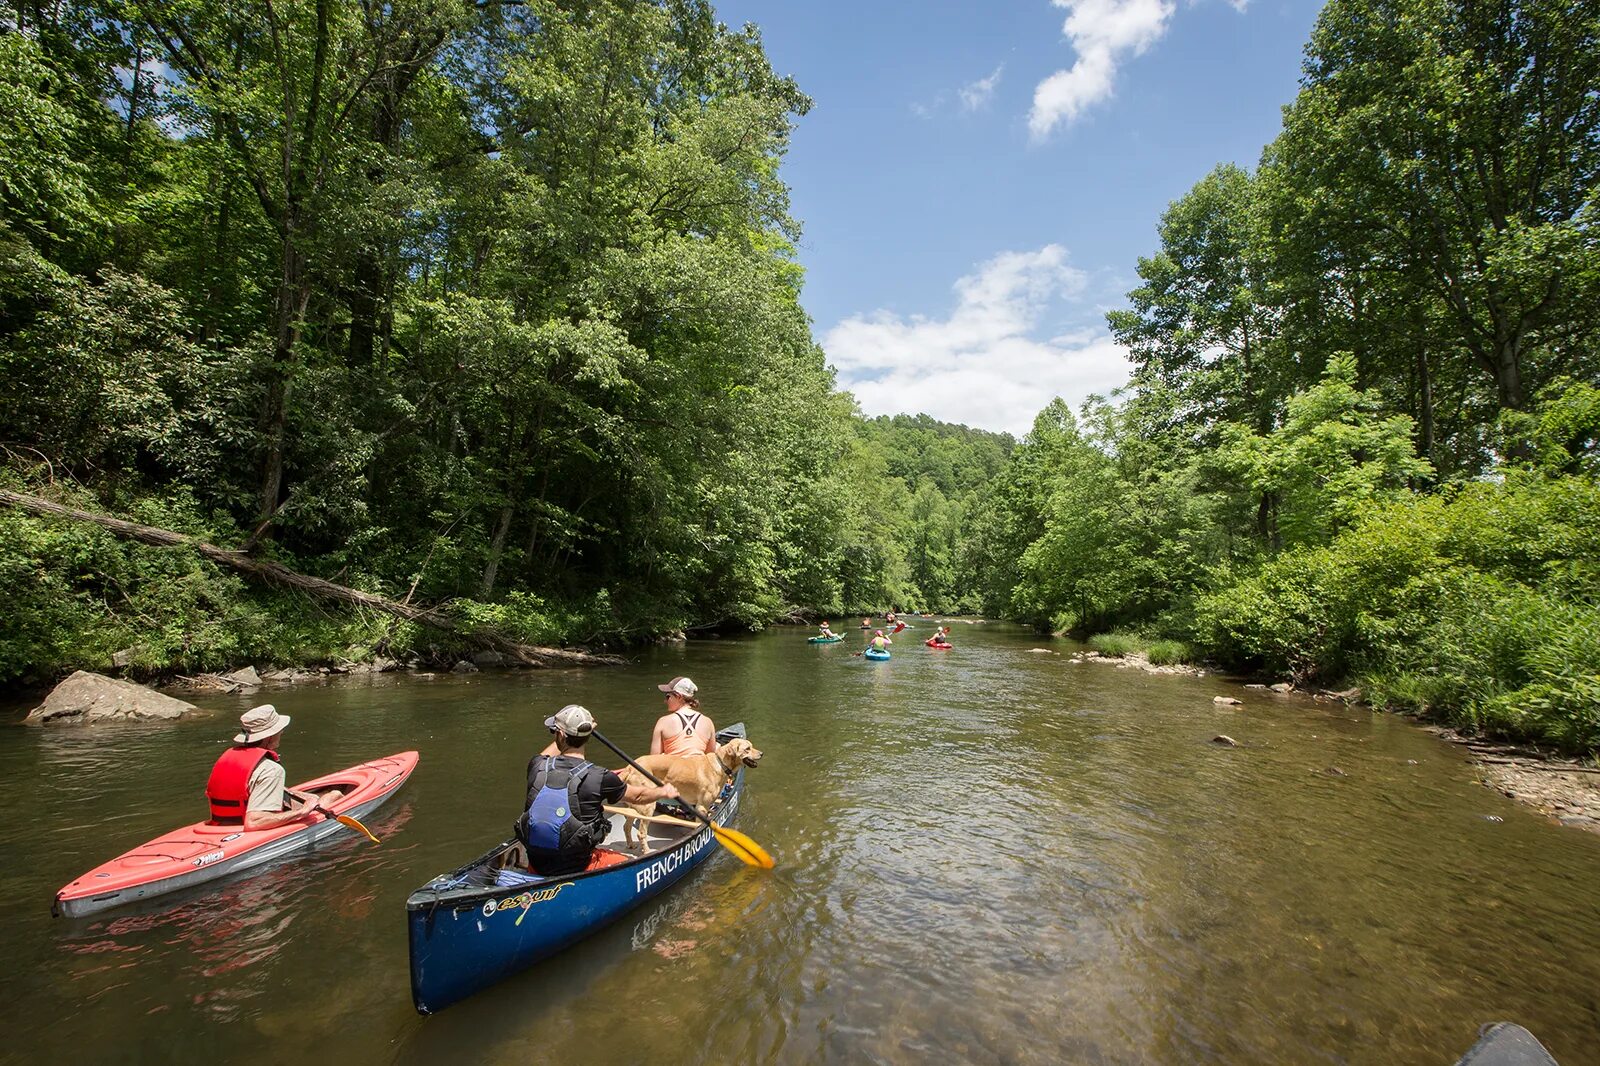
<point>698,779</point>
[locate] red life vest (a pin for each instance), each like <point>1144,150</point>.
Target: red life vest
<point>228,789</point>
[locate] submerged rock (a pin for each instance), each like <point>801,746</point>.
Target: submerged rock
<point>1224,740</point>
<point>1227,701</point>
<point>1282,687</point>
<point>86,697</point>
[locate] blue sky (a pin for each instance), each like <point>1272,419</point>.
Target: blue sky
<point>977,180</point>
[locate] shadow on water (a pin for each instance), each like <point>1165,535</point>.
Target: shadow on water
<point>987,855</point>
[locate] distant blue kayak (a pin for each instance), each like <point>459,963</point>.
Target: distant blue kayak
<point>825,640</point>
<point>874,653</point>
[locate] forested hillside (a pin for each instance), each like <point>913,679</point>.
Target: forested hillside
<point>1360,441</point>
<point>488,305</point>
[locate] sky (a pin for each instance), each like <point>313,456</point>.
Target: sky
<point>977,181</point>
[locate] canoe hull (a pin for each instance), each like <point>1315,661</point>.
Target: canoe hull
<point>200,852</point>
<point>464,940</point>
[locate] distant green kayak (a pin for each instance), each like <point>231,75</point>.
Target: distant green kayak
<point>824,640</point>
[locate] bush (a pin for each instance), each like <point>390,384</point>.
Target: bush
<point>1115,645</point>
<point>1168,652</point>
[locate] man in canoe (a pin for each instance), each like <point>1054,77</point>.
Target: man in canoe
<point>564,821</point>
<point>247,786</point>
<point>683,730</point>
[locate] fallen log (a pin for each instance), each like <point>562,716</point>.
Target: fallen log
<point>277,574</point>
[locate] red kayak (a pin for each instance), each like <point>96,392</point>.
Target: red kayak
<point>942,647</point>
<point>203,852</point>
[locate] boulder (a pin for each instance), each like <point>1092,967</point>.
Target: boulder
<point>385,666</point>
<point>1225,740</point>
<point>124,658</point>
<point>1282,687</point>
<point>488,658</point>
<point>285,676</point>
<point>464,667</point>
<point>245,678</point>
<point>1227,701</point>
<point>86,697</point>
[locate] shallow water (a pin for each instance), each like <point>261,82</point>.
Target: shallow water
<point>986,855</point>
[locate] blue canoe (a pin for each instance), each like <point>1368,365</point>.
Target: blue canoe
<point>487,920</point>
<point>874,653</point>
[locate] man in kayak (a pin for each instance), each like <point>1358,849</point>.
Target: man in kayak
<point>247,784</point>
<point>564,821</point>
<point>940,638</point>
<point>683,730</point>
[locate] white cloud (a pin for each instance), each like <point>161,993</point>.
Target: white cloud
<point>978,93</point>
<point>1102,33</point>
<point>982,365</point>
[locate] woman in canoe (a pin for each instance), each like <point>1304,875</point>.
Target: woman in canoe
<point>247,784</point>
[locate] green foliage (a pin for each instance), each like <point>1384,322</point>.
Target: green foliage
<point>1116,645</point>
<point>1169,652</point>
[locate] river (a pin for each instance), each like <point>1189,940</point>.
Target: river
<point>987,855</point>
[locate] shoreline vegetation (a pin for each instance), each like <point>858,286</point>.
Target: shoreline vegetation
<point>509,332</point>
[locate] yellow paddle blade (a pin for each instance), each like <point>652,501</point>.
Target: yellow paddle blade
<point>749,852</point>
<point>345,819</point>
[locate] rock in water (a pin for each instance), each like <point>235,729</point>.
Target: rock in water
<point>86,697</point>
<point>1227,701</point>
<point>245,678</point>
<point>1282,687</point>
<point>1225,740</point>
<point>464,667</point>
<point>488,658</point>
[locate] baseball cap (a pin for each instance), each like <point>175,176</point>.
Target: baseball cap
<point>680,686</point>
<point>573,720</point>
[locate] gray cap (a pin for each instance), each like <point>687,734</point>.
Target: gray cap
<point>573,720</point>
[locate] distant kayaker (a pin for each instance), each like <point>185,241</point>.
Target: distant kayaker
<point>824,631</point>
<point>247,785</point>
<point>940,638</point>
<point>564,820</point>
<point>866,623</point>
<point>683,730</point>
<point>880,642</point>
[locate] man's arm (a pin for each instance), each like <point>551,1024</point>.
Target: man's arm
<point>649,793</point>
<point>254,820</point>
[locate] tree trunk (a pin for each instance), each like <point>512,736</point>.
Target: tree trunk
<point>496,548</point>
<point>1424,404</point>
<point>288,316</point>
<point>273,573</point>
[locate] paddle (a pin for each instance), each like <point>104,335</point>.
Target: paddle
<point>748,851</point>
<point>342,819</point>
<point>345,819</point>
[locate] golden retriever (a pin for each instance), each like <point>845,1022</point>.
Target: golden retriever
<point>698,779</point>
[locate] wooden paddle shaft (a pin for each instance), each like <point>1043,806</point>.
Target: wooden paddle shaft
<point>662,818</point>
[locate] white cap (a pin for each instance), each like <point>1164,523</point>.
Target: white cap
<point>573,720</point>
<point>680,686</point>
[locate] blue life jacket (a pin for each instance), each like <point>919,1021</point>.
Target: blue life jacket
<point>551,822</point>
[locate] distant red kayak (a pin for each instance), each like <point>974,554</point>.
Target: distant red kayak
<point>942,647</point>
<point>203,852</point>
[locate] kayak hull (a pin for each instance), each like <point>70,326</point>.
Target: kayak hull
<point>469,929</point>
<point>203,852</point>
<point>823,640</point>
<point>876,656</point>
<point>938,647</point>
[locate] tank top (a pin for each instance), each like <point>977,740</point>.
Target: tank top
<point>685,740</point>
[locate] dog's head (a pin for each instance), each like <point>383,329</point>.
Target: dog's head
<point>736,751</point>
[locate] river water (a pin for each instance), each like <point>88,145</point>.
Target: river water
<point>987,855</point>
